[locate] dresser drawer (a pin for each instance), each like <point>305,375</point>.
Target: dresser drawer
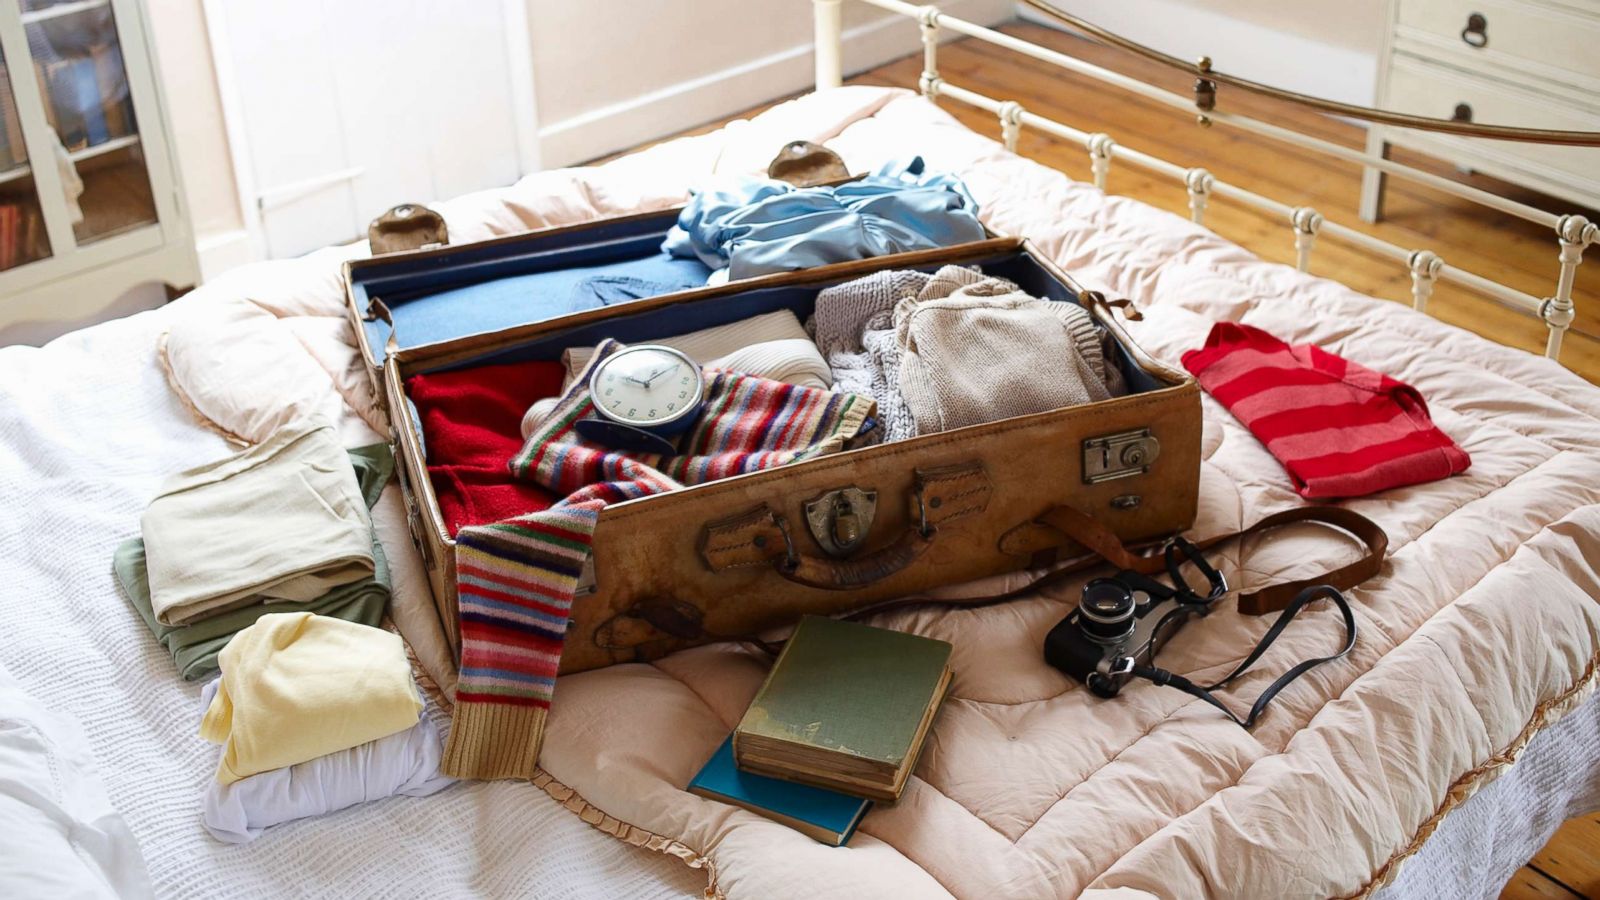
<point>1547,36</point>
<point>1426,88</point>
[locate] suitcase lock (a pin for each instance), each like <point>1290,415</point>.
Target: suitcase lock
<point>840,519</point>
<point>1119,455</point>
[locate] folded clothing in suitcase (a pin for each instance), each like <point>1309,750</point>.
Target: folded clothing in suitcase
<point>737,555</point>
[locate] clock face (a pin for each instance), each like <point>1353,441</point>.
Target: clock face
<point>646,386</point>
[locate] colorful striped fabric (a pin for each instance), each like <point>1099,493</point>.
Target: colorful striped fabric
<point>516,578</point>
<point>1340,430</point>
<point>747,423</point>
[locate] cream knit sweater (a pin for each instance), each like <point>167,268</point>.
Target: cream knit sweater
<point>979,351</point>
<point>957,348</point>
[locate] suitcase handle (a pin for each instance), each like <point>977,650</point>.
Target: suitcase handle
<point>763,536</point>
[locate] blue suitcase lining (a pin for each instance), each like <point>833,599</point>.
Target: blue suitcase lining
<point>484,288</point>
<point>800,299</point>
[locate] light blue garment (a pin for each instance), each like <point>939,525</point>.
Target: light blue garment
<point>759,225</point>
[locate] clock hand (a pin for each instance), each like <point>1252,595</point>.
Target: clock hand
<point>671,368</point>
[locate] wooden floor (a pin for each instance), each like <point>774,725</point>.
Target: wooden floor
<point>1494,245</point>
<point>1511,251</point>
<point>1516,253</point>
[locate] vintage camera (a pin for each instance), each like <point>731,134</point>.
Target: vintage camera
<point>1124,620</point>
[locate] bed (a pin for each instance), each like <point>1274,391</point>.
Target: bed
<point>1468,704</point>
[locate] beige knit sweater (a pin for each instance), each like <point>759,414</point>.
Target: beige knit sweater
<point>975,352</point>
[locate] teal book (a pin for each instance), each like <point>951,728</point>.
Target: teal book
<point>827,816</point>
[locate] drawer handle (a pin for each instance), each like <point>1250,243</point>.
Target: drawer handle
<point>1476,34</point>
<point>1463,113</point>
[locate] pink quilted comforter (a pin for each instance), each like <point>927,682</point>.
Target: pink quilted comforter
<point>1481,629</point>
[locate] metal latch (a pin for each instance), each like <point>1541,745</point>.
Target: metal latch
<point>586,581</point>
<point>840,519</point>
<point>1119,455</point>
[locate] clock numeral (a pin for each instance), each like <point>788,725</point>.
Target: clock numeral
<point>682,394</point>
<point>653,412</point>
<point>671,407</point>
<point>632,411</point>
<point>609,391</point>
<point>616,403</point>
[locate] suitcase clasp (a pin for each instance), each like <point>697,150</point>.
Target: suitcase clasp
<point>840,519</point>
<point>1119,455</point>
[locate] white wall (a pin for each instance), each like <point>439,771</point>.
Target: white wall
<point>1328,48</point>
<point>615,73</point>
<point>189,82</point>
<point>608,74</point>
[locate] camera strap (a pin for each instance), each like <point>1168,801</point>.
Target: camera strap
<point>1203,692</point>
<point>1071,526</point>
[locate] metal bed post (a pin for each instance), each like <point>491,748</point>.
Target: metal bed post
<point>1011,113</point>
<point>1425,266</point>
<point>1100,146</point>
<point>928,21</point>
<point>1575,233</point>
<point>1306,223</point>
<point>1199,183</point>
<point>827,19</point>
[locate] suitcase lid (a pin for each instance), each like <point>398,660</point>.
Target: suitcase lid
<point>424,297</point>
<point>441,294</point>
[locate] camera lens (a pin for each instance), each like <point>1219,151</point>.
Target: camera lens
<point>1106,612</point>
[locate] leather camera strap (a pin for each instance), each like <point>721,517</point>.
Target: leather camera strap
<point>1301,600</point>
<point>1084,530</point>
<point>1079,528</point>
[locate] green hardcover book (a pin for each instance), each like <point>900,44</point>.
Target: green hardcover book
<point>846,707</point>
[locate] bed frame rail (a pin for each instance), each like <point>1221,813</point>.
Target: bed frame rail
<point>1573,232</point>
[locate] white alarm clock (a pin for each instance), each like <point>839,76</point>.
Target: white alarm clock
<point>643,395</point>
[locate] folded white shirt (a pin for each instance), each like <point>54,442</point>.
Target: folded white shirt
<point>405,763</point>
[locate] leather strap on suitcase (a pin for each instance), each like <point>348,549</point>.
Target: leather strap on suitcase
<point>1075,529</point>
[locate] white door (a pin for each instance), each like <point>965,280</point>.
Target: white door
<point>339,110</point>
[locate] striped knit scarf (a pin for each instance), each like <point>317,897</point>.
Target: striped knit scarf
<point>516,578</point>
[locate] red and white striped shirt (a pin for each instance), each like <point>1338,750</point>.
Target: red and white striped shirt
<point>1340,429</point>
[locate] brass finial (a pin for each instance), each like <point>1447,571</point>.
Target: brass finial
<point>1203,63</point>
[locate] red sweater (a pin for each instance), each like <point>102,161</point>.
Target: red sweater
<point>472,425</point>
<point>1341,430</point>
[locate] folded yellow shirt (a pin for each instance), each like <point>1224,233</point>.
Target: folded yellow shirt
<point>296,686</point>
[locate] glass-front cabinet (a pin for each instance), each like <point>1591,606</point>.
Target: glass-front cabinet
<point>22,236</point>
<point>88,186</point>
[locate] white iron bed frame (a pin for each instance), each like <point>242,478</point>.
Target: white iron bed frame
<point>1573,232</point>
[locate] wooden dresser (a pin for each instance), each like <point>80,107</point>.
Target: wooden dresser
<point>1533,63</point>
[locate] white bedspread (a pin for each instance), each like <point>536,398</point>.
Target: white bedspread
<point>89,427</point>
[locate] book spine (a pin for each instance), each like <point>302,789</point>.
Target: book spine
<point>10,236</point>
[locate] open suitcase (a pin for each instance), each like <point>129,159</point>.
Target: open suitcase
<point>753,551</point>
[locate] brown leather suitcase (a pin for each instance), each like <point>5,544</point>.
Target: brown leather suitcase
<point>828,535</point>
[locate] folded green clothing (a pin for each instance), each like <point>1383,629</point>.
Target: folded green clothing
<point>195,646</point>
